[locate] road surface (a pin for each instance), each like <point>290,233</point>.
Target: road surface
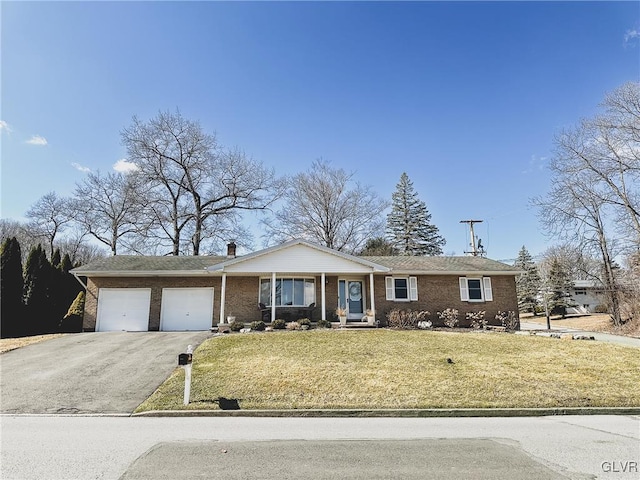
<point>93,447</point>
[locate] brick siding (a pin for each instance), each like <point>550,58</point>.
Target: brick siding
<point>435,293</point>
<point>439,292</point>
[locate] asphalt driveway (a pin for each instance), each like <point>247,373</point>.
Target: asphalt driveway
<point>105,372</point>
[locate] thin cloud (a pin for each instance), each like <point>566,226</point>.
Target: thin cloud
<point>631,35</point>
<point>123,166</point>
<point>80,168</point>
<point>4,126</point>
<point>37,140</point>
<point>536,164</point>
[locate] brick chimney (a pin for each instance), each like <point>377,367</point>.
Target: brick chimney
<point>231,250</point>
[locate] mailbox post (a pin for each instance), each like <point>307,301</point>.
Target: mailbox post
<point>184,360</point>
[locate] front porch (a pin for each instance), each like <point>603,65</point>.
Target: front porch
<point>297,280</point>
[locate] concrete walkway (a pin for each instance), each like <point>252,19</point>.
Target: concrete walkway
<point>599,336</point>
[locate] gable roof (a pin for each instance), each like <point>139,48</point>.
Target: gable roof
<point>299,256</point>
<point>292,253</point>
<point>444,265</point>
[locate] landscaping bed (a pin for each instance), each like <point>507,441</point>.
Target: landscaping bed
<point>391,369</point>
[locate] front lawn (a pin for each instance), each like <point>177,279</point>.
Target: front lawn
<point>403,369</point>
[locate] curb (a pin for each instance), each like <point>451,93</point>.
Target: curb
<point>410,413</point>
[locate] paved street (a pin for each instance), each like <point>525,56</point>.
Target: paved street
<point>79,447</point>
<point>108,372</point>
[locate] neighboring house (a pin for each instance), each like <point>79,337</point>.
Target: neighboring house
<point>586,295</point>
<point>302,279</point>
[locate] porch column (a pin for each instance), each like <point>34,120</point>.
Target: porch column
<point>324,296</point>
<point>273,296</point>
<point>223,292</point>
<point>372,301</point>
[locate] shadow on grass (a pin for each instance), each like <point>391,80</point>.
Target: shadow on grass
<point>223,403</point>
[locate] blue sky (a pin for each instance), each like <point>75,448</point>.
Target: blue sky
<point>464,96</point>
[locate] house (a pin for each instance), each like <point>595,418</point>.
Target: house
<point>586,296</point>
<point>293,280</point>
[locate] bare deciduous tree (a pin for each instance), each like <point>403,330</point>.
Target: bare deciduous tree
<point>107,207</point>
<point>596,179</point>
<point>607,148</point>
<point>49,217</point>
<point>325,206</point>
<point>194,187</point>
<point>575,210</point>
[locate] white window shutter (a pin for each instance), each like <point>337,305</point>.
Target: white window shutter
<point>388,281</point>
<point>413,289</point>
<point>464,290</point>
<point>488,291</point>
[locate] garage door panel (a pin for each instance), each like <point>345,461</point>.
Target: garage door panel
<point>123,309</point>
<point>186,309</point>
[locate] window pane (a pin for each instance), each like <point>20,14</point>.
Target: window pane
<point>265,291</point>
<point>287,291</point>
<point>401,288</point>
<point>278,291</point>
<point>475,290</point>
<point>342,295</point>
<point>309,291</point>
<point>298,291</point>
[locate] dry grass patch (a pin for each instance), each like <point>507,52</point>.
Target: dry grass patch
<point>8,344</point>
<point>404,369</point>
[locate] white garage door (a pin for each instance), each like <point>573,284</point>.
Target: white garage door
<point>186,309</point>
<point>123,309</point>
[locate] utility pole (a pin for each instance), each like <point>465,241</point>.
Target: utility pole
<point>475,251</point>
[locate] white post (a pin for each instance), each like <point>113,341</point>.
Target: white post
<point>372,302</point>
<point>223,292</point>
<point>187,378</point>
<point>324,301</point>
<point>273,296</point>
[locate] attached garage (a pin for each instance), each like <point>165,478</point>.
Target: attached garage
<point>123,309</point>
<point>186,309</point>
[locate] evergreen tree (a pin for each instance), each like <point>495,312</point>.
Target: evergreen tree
<point>11,307</point>
<point>560,285</point>
<point>378,246</point>
<point>36,291</point>
<point>69,286</point>
<point>529,283</point>
<point>408,225</point>
<point>72,321</point>
<point>55,259</point>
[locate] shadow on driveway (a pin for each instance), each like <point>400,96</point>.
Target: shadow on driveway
<point>102,372</point>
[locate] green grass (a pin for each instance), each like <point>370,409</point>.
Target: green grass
<point>404,369</point>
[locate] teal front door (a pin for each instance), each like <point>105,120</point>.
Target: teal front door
<point>355,300</point>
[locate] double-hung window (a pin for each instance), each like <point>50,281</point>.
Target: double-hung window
<point>476,289</point>
<point>290,292</point>
<point>402,289</point>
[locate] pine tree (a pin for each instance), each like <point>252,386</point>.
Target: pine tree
<point>529,283</point>
<point>408,225</point>
<point>11,307</point>
<point>56,258</point>
<point>378,246</point>
<point>69,287</point>
<point>72,321</point>
<point>560,286</point>
<point>36,291</point>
